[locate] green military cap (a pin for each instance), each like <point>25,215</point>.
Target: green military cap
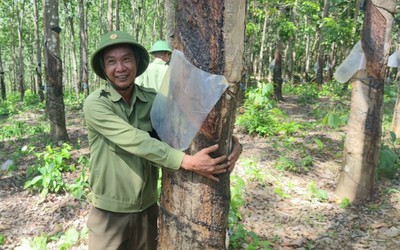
<point>118,37</point>
<point>160,46</point>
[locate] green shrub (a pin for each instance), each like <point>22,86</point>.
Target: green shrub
<point>262,117</point>
<point>46,175</point>
<point>389,164</point>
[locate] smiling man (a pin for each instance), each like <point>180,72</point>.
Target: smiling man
<point>123,154</point>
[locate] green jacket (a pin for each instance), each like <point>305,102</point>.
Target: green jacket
<point>154,74</point>
<point>122,176</point>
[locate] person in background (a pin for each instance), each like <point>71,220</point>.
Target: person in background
<point>123,178</point>
<point>153,76</point>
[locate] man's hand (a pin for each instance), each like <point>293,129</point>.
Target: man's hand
<point>203,164</point>
<point>234,155</point>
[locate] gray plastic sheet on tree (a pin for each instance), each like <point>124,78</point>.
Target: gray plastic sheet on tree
<point>394,59</point>
<point>184,100</point>
<point>354,61</point>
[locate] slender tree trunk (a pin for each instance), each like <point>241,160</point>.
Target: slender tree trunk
<point>264,31</point>
<point>320,58</point>
<point>84,73</point>
<point>39,80</point>
<point>277,76</point>
<point>117,19</point>
<point>110,15</point>
<point>291,46</point>
<point>277,73</point>
<point>21,72</point>
<point>161,14</point>
<point>307,54</point>
<point>194,210</point>
<point>362,145</point>
<point>75,82</point>
<point>170,21</point>
<point>2,83</point>
<point>55,96</point>
<point>137,15</point>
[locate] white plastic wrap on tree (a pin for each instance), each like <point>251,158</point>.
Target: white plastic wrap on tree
<point>184,100</point>
<point>394,59</point>
<point>354,61</point>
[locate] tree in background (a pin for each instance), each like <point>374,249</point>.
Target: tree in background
<point>55,96</point>
<point>2,85</point>
<point>38,69</point>
<point>194,210</point>
<point>363,139</point>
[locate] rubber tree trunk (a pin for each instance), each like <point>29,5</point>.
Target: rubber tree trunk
<point>83,48</point>
<point>38,52</point>
<point>194,210</point>
<point>362,144</point>
<point>55,96</point>
<point>2,83</point>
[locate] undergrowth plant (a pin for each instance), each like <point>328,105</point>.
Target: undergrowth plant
<point>238,235</point>
<point>261,115</point>
<point>63,241</point>
<point>80,187</point>
<point>316,193</point>
<point>46,175</point>
<point>389,158</point>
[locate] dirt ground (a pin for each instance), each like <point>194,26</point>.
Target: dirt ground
<point>279,207</point>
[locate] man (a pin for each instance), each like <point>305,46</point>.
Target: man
<point>123,178</point>
<point>153,76</point>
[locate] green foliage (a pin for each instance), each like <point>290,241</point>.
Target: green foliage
<point>80,187</point>
<point>251,170</point>
<point>336,118</point>
<point>389,164</point>
<point>319,143</point>
<point>37,243</point>
<point>63,241</point>
<point>287,30</point>
<point>344,203</point>
<point>46,175</point>
<point>251,28</point>
<point>319,194</point>
<point>279,190</point>
<point>13,105</point>
<point>2,239</point>
<point>69,238</point>
<point>238,235</point>
<point>337,30</point>
<point>31,99</point>
<point>261,115</point>
<point>15,131</point>
<point>237,188</point>
<point>283,163</point>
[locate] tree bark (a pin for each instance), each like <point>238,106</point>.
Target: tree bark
<point>55,96</point>
<point>2,84</point>
<point>39,80</point>
<point>21,72</point>
<point>194,210</point>
<point>362,144</point>
<point>320,58</point>
<point>277,75</point>
<point>75,82</point>
<point>261,62</point>
<point>84,73</point>
<point>117,19</point>
<point>109,15</point>
<point>170,21</point>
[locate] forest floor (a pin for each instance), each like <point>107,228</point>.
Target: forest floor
<point>282,207</point>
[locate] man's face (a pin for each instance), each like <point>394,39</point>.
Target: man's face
<point>120,65</point>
